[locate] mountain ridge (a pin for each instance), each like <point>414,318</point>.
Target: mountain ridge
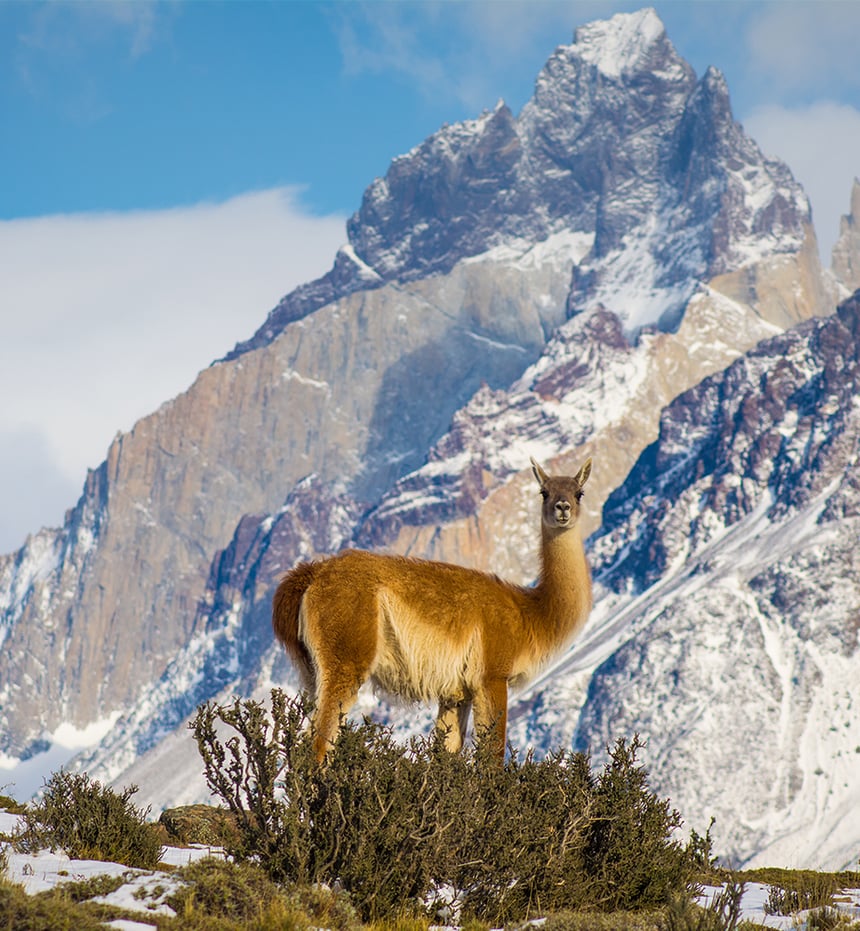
<point>630,240</point>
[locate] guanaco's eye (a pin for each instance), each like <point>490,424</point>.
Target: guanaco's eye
<point>579,495</point>
<point>544,493</point>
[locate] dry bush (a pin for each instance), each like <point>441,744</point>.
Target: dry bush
<point>393,825</point>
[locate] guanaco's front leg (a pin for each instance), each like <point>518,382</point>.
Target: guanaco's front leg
<point>452,721</point>
<point>491,715</point>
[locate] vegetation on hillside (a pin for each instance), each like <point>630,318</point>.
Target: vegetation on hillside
<point>396,838</point>
<point>400,827</point>
<point>90,821</point>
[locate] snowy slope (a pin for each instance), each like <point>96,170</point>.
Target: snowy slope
<point>576,266</point>
<point>727,630</point>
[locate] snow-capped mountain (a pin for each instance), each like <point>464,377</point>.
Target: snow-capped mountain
<point>846,249</point>
<point>727,630</point>
<point>536,284</point>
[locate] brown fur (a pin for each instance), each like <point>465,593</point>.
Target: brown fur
<point>432,631</point>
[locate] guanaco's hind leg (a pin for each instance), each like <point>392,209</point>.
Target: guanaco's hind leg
<point>334,701</point>
<point>452,721</point>
<point>491,714</point>
<point>342,629</point>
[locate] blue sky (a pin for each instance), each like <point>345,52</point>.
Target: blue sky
<point>112,105</point>
<point>173,168</point>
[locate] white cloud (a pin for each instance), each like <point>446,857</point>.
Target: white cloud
<point>106,316</point>
<point>808,47</point>
<point>820,142</point>
<point>33,489</point>
<point>72,30</point>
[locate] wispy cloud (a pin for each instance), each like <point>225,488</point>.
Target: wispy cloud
<point>805,48</point>
<point>457,52</point>
<point>71,29</point>
<point>104,317</point>
<point>59,47</point>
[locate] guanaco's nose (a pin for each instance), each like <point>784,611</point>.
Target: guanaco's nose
<point>562,511</point>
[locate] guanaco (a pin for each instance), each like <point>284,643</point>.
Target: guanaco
<point>432,631</point>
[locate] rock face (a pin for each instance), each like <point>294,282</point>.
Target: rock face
<point>845,262</point>
<point>727,630</point>
<point>620,144</point>
<point>540,284</point>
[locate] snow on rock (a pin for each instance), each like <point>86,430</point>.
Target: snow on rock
<point>580,264</point>
<point>727,574</point>
<point>25,776</point>
<point>146,891</point>
<point>619,44</point>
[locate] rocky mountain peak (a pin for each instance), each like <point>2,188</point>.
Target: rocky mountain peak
<point>536,284</point>
<point>619,142</point>
<point>846,251</point>
<point>620,45</point>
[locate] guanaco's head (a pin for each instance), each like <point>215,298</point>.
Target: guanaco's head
<point>561,496</point>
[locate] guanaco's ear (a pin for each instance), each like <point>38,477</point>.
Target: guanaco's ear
<point>583,473</point>
<point>539,473</point>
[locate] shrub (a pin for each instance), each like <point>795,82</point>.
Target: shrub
<point>603,921</point>
<point>225,890</point>
<point>396,824</point>
<point>355,820</point>
<point>630,856</point>
<point>217,893</point>
<point>799,890</point>
<point>90,821</point>
<point>49,911</point>
<point>198,824</point>
<point>722,914</point>
<point>830,919</point>
<point>7,803</point>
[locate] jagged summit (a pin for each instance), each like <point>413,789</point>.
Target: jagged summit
<point>541,283</point>
<point>846,250</point>
<point>731,548</point>
<point>621,44</point>
<point>619,142</point>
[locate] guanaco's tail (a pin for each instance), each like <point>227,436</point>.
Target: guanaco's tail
<point>286,606</point>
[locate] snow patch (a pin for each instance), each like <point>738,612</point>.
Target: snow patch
<point>567,247</point>
<point>617,46</point>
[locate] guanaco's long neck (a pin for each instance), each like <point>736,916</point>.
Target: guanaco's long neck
<point>563,593</point>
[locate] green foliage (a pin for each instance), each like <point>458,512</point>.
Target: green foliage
<point>395,825</point>
<point>219,895</point>
<point>629,850</point>
<point>85,889</point>
<point>9,804</point>
<point>801,880</point>
<point>90,821</point>
<point>214,887</point>
<point>830,919</point>
<point>603,921</point>
<point>198,824</point>
<point>792,891</point>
